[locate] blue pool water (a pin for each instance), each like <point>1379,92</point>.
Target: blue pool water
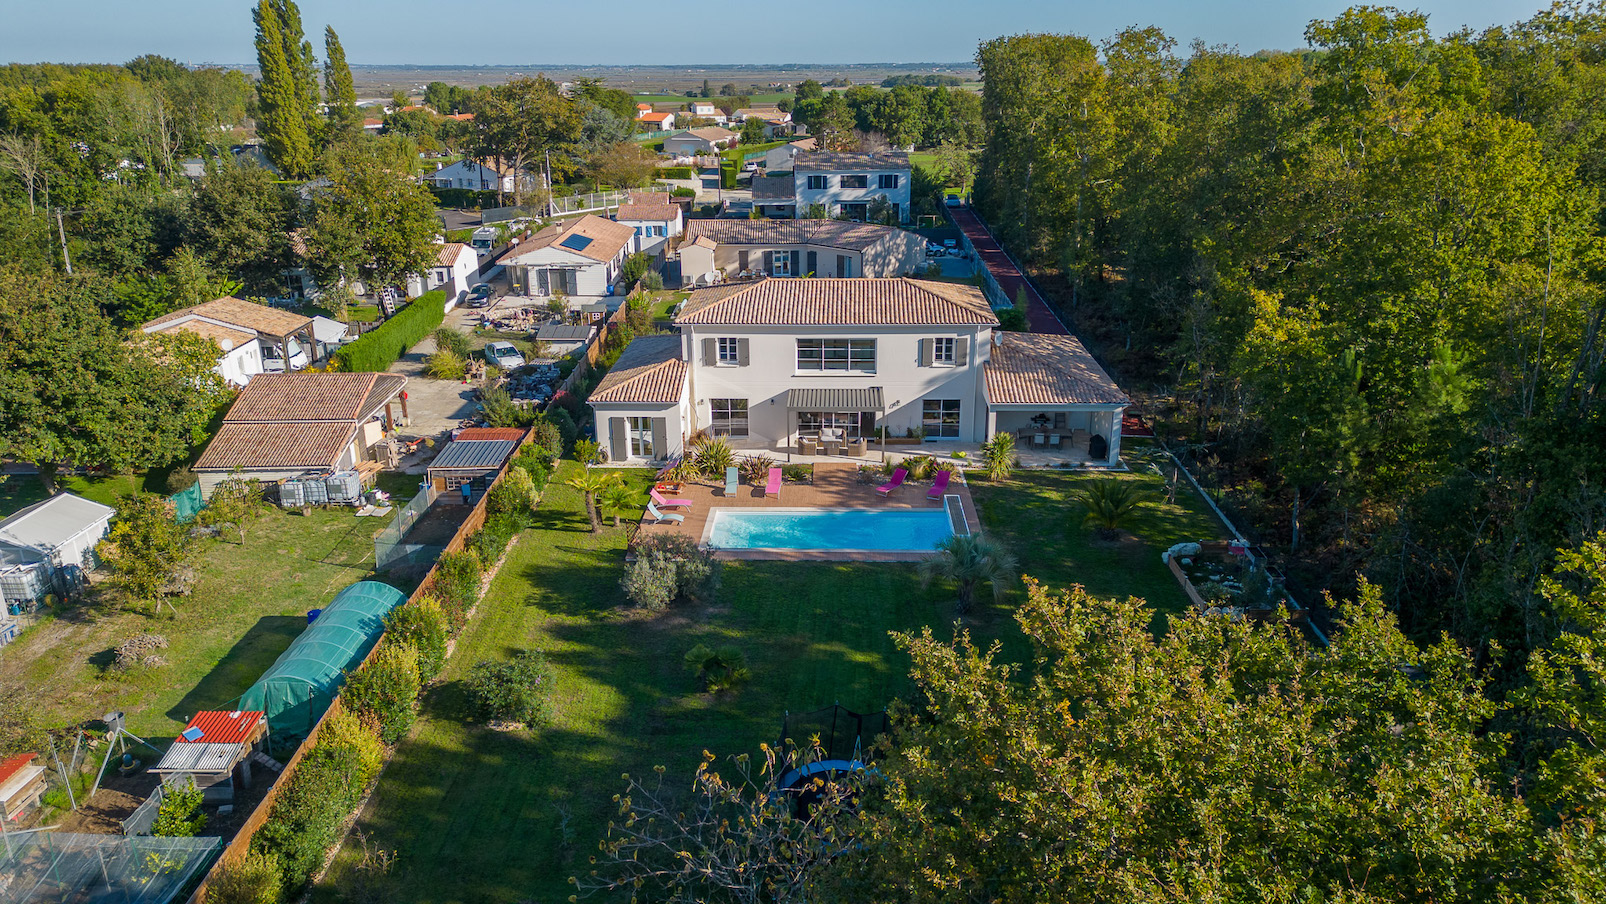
<point>888,529</point>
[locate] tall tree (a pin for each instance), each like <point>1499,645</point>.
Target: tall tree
<point>518,122</point>
<point>344,120</point>
<point>374,220</point>
<point>240,222</point>
<point>282,117</point>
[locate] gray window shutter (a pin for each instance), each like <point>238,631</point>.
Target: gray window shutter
<point>796,263</point>
<point>741,259</point>
<point>741,352</point>
<point>925,352</point>
<point>962,351</point>
<point>710,352</point>
<point>814,263</point>
<point>660,437</point>
<point>770,258</point>
<point>617,439</point>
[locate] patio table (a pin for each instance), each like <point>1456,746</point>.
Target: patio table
<point>832,446</point>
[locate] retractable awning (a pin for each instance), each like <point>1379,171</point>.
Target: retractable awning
<point>835,399</point>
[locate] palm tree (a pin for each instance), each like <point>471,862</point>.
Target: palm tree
<point>618,497</point>
<point>1110,505</point>
<point>592,484</point>
<point>968,560</point>
<point>999,453</point>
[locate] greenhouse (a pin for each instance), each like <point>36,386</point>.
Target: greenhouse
<point>299,686</point>
<point>44,867</point>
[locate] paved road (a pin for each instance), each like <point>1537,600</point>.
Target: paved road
<point>435,405</point>
<point>1039,316</point>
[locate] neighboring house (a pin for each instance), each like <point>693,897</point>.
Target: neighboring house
<point>329,335</point>
<point>768,114</point>
<point>252,338</point>
<point>775,196</point>
<point>797,248</point>
<point>779,160</point>
<point>561,339</point>
<point>576,257</point>
<point>643,110</point>
<point>655,218</point>
<point>478,176</point>
<point>845,184</point>
<point>373,126</point>
<point>43,545</point>
<point>769,361</point>
<point>705,109</point>
<point>284,425</point>
<point>705,140</point>
<point>657,122</point>
<point>456,269</point>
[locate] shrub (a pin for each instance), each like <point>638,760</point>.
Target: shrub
<point>256,879</point>
<point>652,281</point>
<point>422,625</point>
<point>798,473</point>
<point>385,689</point>
<point>564,421</point>
<point>756,468</point>
<point>683,192</point>
<point>999,453</point>
<point>500,411</point>
<point>717,670</point>
<point>326,786</point>
<point>714,456</point>
<point>670,568</point>
<point>446,364</point>
<point>514,494</point>
<point>378,350</point>
<point>517,690</point>
<point>920,467</point>
<point>455,341</point>
<point>1111,504</point>
<point>180,814</point>
<point>491,540</point>
<point>1012,320</point>
<point>457,585</point>
<point>547,436</point>
<point>635,266</point>
<point>677,172</point>
<point>588,452</point>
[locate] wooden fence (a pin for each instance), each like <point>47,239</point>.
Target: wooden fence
<point>240,845</point>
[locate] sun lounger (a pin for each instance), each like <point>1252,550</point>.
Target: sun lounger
<point>661,517</point>
<point>658,499</point>
<point>773,486</point>
<point>898,477</point>
<point>941,486</point>
<point>732,480</point>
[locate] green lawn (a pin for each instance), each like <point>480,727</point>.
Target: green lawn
<point>665,301</point>
<point>478,815</point>
<point>18,491</point>
<point>250,602</point>
<point>21,490</point>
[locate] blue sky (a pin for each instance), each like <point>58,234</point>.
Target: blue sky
<point>682,32</point>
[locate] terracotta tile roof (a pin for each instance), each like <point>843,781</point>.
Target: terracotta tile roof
<point>461,117</point>
<point>824,302</point>
<point>342,398</point>
<point>13,765</point>
<point>648,206</point>
<point>656,117</point>
<point>828,233</point>
<point>227,337</point>
<point>238,312</point>
<point>804,144</point>
<point>709,133</point>
<point>704,241</point>
<point>480,434</point>
<point>607,239</point>
<point>277,446</point>
<point>839,162</point>
<point>448,254</point>
<point>1044,369</point>
<point>650,370</point>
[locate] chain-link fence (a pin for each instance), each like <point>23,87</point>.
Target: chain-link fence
<point>390,546</point>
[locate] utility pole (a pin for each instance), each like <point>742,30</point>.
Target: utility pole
<point>62,231</point>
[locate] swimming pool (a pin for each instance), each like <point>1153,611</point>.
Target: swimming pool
<point>889,530</point>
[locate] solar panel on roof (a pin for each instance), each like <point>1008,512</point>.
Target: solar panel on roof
<point>576,242</point>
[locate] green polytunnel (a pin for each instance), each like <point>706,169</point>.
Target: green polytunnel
<point>298,688</point>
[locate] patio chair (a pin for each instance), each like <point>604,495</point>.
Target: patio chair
<point>660,517</point>
<point>733,479</point>
<point>772,487</point>
<point>1054,440</point>
<point>1039,439</point>
<point>897,480</point>
<point>658,499</point>
<point>857,448</point>
<point>941,486</point>
<point>808,445</point>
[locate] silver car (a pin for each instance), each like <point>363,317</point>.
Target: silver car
<point>503,355</point>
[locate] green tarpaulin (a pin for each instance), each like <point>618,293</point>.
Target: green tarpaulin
<point>304,680</point>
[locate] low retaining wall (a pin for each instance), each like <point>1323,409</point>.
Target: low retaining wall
<point>240,845</point>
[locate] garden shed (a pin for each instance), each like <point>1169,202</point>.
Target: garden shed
<point>473,462</point>
<point>299,686</point>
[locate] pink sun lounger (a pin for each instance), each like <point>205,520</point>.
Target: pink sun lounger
<point>898,477</point>
<point>659,500</point>
<point>941,486</point>
<point>773,486</point>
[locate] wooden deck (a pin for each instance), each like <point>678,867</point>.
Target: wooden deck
<point>836,486</point>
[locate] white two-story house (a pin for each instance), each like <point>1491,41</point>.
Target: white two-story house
<point>655,218</point>
<point>769,362</point>
<point>832,184</point>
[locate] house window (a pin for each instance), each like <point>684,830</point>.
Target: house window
<point>729,417</point>
<point>855,181</point>
<point>729,351</point>
<point>853,424</point>
<point>816,183</point>
<point>944,351</point>
<point>858,211</point>
<point>658,231</point>
<point>889,180</point>
<point>844,266</point>
<point>940,418</point>
<point>856,355</point>
<point>639,430</point>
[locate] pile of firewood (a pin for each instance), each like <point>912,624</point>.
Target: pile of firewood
<point>140,651</point>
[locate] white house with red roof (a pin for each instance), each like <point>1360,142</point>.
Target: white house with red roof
<point>455,270</point>
<point>655,218</point>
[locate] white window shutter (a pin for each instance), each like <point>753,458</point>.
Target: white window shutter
<point>926,353</point>
<point>962,350</point>
<point>710,352</point>
<point>741,352</point>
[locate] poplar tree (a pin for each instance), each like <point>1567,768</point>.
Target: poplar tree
<point>338,87</point>
<point>282,121</point>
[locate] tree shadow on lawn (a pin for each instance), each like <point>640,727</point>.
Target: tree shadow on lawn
<point>250,656</point>
<point>574,587</point>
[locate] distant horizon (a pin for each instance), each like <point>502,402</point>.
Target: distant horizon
<point>113,31</point>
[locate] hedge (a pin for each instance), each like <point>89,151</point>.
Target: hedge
<point>675,172</point>
<point>378,350</point>
<point>464,197</point>
<point>385,690</point>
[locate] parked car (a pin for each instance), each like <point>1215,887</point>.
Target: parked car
<point>272,363</point>
<point>481,296</point>
<point>951,244</point>
<point>503,355</point>
<point>934,250</point>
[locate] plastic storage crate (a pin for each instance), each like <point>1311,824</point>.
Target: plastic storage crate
<point>344,487</point>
